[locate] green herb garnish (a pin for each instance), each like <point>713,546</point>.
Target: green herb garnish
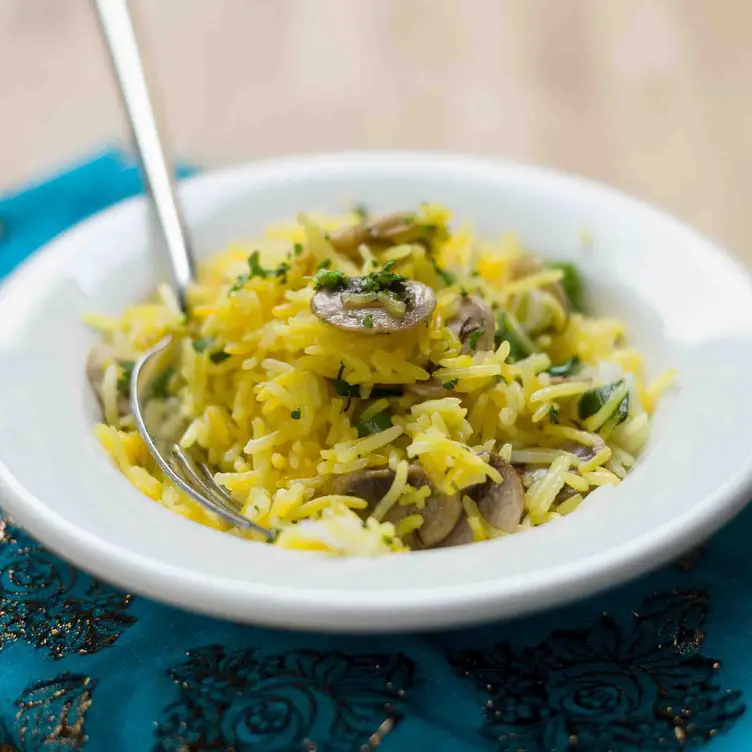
<point>368,321</point>
<point>199,345</point>
<point>324,264</point>
<point>383,281</point>
<point>297,249</point>
<point>571,282</point>
<point>239,283</point>
<point>508,330</point>
<point>553,414</point>
<point>475,335</point>
<point>219,357</point>
<point>445,274</point>
<point>124,380</point>
<point>343,389</point>
<point>567,368</point>
<point>375,424</point>
<point>160,385</point>
<point>256,270</point>
<point>281,272</point>
<point>449,385</point>
<point>330,280</point>
<point>464,292</point>
<point>594,399</point>
<point>254,265</point>
<point>295,414</point>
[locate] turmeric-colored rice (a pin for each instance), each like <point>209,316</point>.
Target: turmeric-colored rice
<point>258,389</point>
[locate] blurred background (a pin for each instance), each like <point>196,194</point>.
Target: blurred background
<point>652,96</point>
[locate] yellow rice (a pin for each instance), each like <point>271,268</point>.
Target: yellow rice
<point>276,433</point>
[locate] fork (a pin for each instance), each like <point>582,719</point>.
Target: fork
<point>187,472</point>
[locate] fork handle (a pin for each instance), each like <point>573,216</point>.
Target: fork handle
<point>117,28</point>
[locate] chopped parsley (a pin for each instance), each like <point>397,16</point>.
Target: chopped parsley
<point>160,385</point>
<point>508,330</point>
<point>297,249</point>
<point>281,272</point>
<point>361,212</point>
<point>202,345</point>
<point>343,389</point>
<point>330,280</point>
<point>464,292</point>
<point>445,274</point>
<point>594,399</point>
<point>219,357</point>
<point>475,335</point>
<point>324,264</point>
<point>375,424</point>
<point>124,380</point>
<point>256,270</point>
<point>567,368</point>
<point>449,385</point>
<point>571,282</point>
<point>199,345</point>
<point>255,266</point>
<point>553,414</point>
<point>295,414</point>
<point>368,321</point>
<point>239,283</point>
<point>383,281</point>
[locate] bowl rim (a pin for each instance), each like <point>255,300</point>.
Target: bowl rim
<point>434,606</point>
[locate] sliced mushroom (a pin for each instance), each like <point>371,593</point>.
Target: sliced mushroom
<point>369,315</point>
<point>387,230</point>
<point>440,512</point>
<point>474,315</point>
<point>461,534</point>
<point>502,504</point>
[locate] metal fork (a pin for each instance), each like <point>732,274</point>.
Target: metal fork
<point>188,473</point>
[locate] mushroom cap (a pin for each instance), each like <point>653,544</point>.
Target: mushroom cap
<point>461,534</point>
<point>473,314</point>
<point>389,229</point>
<point>440,512</point>
<point>328,306</point>
<point>502,504</point>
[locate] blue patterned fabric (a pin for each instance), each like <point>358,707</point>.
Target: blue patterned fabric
<point>664,663</point>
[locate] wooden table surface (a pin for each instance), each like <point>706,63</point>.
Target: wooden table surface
<point>652,96</point>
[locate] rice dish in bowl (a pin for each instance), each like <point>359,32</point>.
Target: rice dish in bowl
<point>367,385</point>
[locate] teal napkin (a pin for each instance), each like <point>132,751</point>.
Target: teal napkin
<point>664,663</point>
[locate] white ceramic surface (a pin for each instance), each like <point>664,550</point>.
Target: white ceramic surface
<point>687,304</point>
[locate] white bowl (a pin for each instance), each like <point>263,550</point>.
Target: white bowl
<point>688,306</point>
